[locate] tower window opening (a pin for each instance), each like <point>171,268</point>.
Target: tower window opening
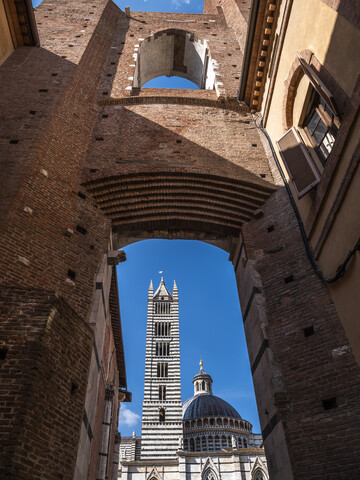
<point>162,415</point>
<point>162,329</point>
<point>162,370</point>
<point>162,349</point>
<point>162,392</point>
<point>162,308</point>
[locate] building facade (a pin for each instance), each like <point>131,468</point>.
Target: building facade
<point>203,439</point>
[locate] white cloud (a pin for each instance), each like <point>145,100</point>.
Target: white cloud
<point>177,3</point>
<point>127,417</point>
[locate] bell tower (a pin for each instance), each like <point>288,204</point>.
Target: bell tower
<point>162,407</point>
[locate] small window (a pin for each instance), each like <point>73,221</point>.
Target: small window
<point>162,308</point>
<point>162,329</point>
<point>162,370</point>
<point>320,126</point>
<point>162,349</point>
<point>162,392</point>
<point>162,415</point>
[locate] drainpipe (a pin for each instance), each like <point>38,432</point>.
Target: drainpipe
<point>106,434</point>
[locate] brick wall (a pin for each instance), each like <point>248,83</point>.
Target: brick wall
<point>47,206</point>
<point>197,152</point>
<point>47,348</point>
<point>120,63</point>
<point>305,375</point>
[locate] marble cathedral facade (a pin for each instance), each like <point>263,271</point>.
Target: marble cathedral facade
<point>203,439</point>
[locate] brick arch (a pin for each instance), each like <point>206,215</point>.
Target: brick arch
<point>171,52</point>
<point>291,84</point>
<point>170,204</point>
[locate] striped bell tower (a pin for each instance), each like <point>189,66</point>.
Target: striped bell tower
<point>162,406</point>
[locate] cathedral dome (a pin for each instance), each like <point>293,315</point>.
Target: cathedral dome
<point>211,424</point>
<point>207,405</point>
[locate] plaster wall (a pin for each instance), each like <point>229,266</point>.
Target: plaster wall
<point>6,42</point>
<point>330,212</point>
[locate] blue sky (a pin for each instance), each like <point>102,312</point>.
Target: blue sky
<point>184,6</point>
<point>210,319</point>
<point>210,322</point>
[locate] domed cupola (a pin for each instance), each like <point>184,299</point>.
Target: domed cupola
<point>202,381</point>
<point>210,423</point>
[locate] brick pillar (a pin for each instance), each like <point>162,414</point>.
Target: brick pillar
<point>305,376</point>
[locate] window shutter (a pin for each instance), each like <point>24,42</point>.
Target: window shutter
<point>298,162</point>
<point>318,85</point>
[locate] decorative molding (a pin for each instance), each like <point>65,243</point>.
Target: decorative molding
<point>210,465</point>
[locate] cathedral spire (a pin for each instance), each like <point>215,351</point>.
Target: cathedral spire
<point>162,293</point>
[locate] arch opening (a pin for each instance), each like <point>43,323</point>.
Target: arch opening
<point>172,81</point>
<point>178,53</point>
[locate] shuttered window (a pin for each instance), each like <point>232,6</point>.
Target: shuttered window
<point>318,85</point>
<point>298,162</point>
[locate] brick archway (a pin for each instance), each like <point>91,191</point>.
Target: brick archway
<point>278,292</point>
<point>173,52</point>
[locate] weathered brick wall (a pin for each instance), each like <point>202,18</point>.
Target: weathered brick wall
<point>65,28</point>
<point>41,77</point>
<point>47,348</point>
<point>236,13</point>
<point>120,64</point>
<point>48,205</point>
<point>158,137</point>
<point>53,236</point>
<point>299,354</point>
